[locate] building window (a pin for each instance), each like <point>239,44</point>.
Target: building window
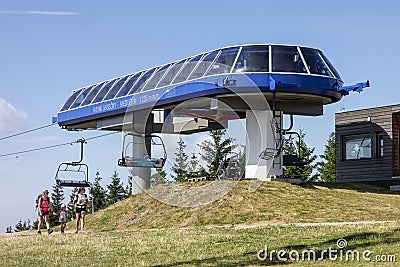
<point>379,145</point>
<point>357,146</point>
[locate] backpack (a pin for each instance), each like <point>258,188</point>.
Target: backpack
<point>37,200</point>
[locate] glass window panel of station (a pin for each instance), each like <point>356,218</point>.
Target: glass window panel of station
<point>82,96</point>
<point>102,93</point>
<point>357,146</point>
<point>156,78</point>
<point>315,62</point>
<point>187,69</point>
<point>331,67</point>
<point>167,79</point>
<point>224,62</point>
<point>203,65</point>
<point>71,99</point>
<point>287,59</point>
<point>114,90</point>
<point>128,85</point>
<point>253,59</point>
<point>379,145</point>
<point>142,81</point>
<point>88,99</point>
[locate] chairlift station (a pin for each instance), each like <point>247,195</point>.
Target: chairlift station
<point>260,83</point>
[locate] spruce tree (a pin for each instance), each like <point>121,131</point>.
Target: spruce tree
<point>35,224</point>
<point>242,160</point>
<point>129,185</point>
<point>180,167</point>
<point>57,198</point>
<point>116,190</point>
<point>99,194</point>
<point>21,226</point>
<point>193,163</point>
<point>70,206</point>
<point>327,167</point>
<point>305,154</point>
<point>158,178</point>
<point>18,226</point>
<point>214,150</point>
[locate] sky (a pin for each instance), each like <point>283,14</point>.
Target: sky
<point>49,48</point>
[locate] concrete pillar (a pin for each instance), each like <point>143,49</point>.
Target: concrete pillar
<point>259,136</point>
<point>141,176</point>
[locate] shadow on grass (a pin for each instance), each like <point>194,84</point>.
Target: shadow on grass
<point>245,259</point>
<point>359,187</point>
<point>355,242</point>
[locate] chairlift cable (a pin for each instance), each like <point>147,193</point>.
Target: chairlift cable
<point>28,131</point>
<point>35,149</point>
<point>53,146</point>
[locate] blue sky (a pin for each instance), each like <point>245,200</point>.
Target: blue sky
<point>49,48</point>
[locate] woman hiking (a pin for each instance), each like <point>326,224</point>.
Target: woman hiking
<point>44,209</point>
<point>80,202</point>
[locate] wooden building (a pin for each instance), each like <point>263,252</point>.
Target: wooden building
<point>367,145</point>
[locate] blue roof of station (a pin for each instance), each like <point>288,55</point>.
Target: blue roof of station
<point>257,58</point>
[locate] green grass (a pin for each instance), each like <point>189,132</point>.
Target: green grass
<point>271,203</point>
<point>196,246</point>
<point>142,231</point>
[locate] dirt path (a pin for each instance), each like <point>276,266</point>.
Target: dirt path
<point>311,224</point>
<point>236,227</point>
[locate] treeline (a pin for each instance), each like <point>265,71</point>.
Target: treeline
<point>323,170</point>
<point>212,152</point>
<point>101,197</point>
<point>218,145</point>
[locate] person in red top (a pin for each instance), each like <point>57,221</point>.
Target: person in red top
<point>44,209</point>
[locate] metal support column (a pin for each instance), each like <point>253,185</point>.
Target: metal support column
<point>259,135</point>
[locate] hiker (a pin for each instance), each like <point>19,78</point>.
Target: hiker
<point>62,219</point>
<point>80,202</point>
<point>44,207</point>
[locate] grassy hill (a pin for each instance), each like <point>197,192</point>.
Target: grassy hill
<point>143,231</point>
<point>271,203</point>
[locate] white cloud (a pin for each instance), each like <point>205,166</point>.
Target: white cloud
<point>11,119</point>
<point>38,12</point>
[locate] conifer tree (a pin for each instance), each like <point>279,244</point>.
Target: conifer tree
<point>242,160</point>
<point>214,150</point>
<point>116,190</point>
<point>18,226</point>
<point>35,224</point>
<point>21,226</point>
<point>99,194</point>
<point>129,185</point>
<point>305,154</point>
<point>57,197</point>
<point>158,178</point>
<point>180,167</point>
<point>70,206</point>
<point>193,163</point>
<point>327,167</point>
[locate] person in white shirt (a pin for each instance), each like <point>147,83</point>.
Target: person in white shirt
<point>80,203</point>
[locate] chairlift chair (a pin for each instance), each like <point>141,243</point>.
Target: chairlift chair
<point>293,159</point>
<point>229,167</point>
<point>76,168</point>
<point>145,161</point>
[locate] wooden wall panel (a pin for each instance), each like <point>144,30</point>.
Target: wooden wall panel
<point>373,120</point>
